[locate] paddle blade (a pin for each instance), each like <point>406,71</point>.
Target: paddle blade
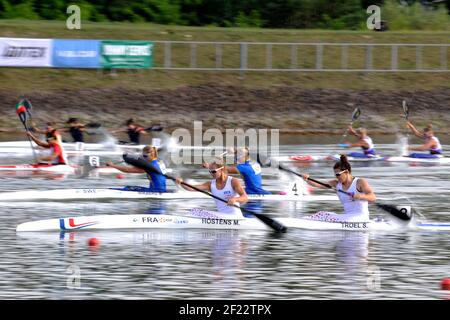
<point>93,125</point>
<point>405,109</point>
<point>20,107</point>
<point>356,114</point>
<point>401,214</point>
<point>275,225</point>
<point>28,105</point>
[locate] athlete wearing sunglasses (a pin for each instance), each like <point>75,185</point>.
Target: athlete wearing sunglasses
<point>225,187</point>
<point>356,205</point>
<point>249,170</point>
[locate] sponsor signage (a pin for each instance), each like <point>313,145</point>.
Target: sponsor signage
<point>126,54</point>
<point>15,52</point>
<point>76,53</point>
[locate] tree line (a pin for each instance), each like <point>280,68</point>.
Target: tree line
<point>302,14</point>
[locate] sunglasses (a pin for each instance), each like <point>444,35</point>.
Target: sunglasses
<point>213,171</point>
<point>339,174</point>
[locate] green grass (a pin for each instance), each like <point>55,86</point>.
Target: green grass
<point>37,79</point>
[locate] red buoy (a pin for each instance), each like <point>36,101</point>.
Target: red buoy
<point>93,242</point>
<point>445,284</point>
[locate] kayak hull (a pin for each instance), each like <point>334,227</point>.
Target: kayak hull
<point>155,221</point>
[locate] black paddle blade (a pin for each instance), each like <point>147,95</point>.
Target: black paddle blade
<point>140,162</point>
<point>401,214</point>
<point>28,105</point>
<point>93,125</point>
<point>356,114</point>
<point>275,225</point>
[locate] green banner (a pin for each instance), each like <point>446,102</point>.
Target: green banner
<point>126,54</point>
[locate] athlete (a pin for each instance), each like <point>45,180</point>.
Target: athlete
<point>249,170</point>
<point>225,187</point>
<point>157,181</point>
<point>76,129</point>
<point>57,155</point>
<point>364,141</point>
<point>50,130</point>
<point>356,205</point>
<point>133,130</point>
<point>431,144</point>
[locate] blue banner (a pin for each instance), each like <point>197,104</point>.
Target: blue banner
<point>76,53</point>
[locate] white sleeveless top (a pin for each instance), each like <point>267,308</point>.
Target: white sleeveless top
<point>226,193</point>
<point>353,207</point>
<point>438,147</point>
<point>369,141</point>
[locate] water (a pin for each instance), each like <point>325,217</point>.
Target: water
<point>226,264</point>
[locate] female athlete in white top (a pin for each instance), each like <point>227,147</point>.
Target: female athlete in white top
<point>431,144</point>
<point>224,187</point>
<point>355,206</point>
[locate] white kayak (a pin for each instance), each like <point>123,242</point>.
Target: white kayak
<point>318,158</point>
<point>22,146</point>
<point>59,168</point>
<point>28,152</point>
<point>138,193</point>
<point>164,221</point>
<point>73,145</point>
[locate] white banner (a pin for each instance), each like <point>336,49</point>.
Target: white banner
<point>16,52</point>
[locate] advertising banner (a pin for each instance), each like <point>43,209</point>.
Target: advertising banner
<point>15,52</point>
<point>76,53</point>
<point>126,54</point>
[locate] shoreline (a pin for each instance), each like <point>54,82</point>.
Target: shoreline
<point>295,110</point>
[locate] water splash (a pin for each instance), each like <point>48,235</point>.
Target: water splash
<point>402,143</point>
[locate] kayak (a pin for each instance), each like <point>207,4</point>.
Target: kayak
<point>73,145</point>
<point>138,193</point>
<point>79,146</point>
<point>318,158</point>
<point>29,152</point>
<point>55,168</point>
<point>164,221</point>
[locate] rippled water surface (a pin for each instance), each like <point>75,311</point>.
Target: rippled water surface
<point>215,264</point>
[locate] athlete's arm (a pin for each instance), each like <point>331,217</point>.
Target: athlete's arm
<point>426,147</point>
<point>360,143</point>
<point>332,183</point>
<point>352,131</point>
<point>367,192</point>
<point>206,186</point>
<point>416,132</point>
<point>237,186</point>
<point>232,169</point>
<point>37,141</point>
<point>127,169</point>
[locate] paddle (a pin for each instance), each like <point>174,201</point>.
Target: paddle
<point>145,165</point>
<point>356,113</point>
<point>388,208</point>
<point>22,109</point>
<point>406,113</point>
<point>93,125</point>
<point>405,110</point>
